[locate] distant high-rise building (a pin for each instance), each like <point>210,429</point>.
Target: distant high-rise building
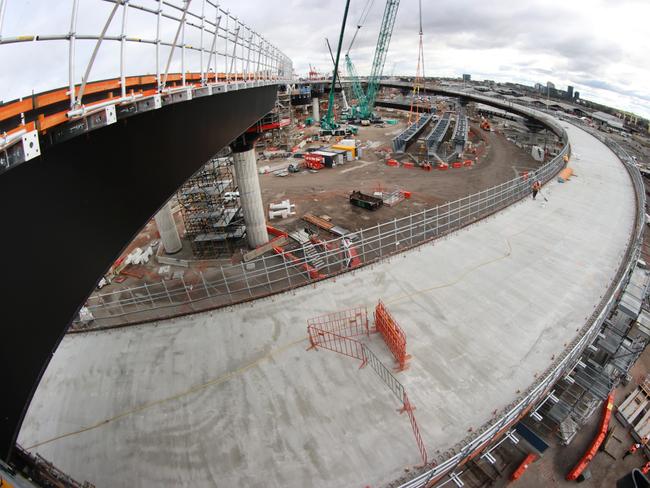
<point>569,92</point>
<point>539,87</point>
<point>467,77</point>
<point>576,95</point>
<point>550,89</point>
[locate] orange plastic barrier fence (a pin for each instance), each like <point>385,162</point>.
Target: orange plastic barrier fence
<point>408,408</point>
<point>349,323</point>
<point>337,343</point>
<point>393,335</point>
<point>595,444</point>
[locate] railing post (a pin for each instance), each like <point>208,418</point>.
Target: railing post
<point>248,286</point>
<point>153,305</point>
<point>167,291</point>
<point>266,271</point>
<point>225,282</point>
<point>381,251</point>
<point>187,292</point>
<point>205,285</point>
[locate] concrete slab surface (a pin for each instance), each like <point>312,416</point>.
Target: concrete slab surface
<point>233,398</point>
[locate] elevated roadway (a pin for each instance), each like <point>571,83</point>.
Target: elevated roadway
<point>68,214</point>
<point>232,397</point>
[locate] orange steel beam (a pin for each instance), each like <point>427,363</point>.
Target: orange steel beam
<point>595,444</point>
<point>62,94</point>
<point>521,469</point>
<point>16,108</point>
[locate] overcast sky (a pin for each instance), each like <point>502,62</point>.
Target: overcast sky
<point>599,47</point>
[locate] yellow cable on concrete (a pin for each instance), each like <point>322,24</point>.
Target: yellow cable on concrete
<point>194,389</point>
<point>455,281</point>
<point>243,369</point>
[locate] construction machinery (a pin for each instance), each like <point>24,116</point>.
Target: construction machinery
<point>363,110</point>
<point>328,125</point>
<point>414,112</point>
<point>346,106</point>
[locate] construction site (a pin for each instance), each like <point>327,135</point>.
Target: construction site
<point>372,281</point>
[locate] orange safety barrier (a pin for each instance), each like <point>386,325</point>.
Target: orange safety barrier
<point>393,335</point>
<point>276,232</point>
<point>521,469</point>
<point>565,174</point>
<point>456,164</point>
<point>392,162</point>
<point>443,166</point>
<point>408,408</point>
<point>314,274</point>
<point>408,165</point>
<point>349,323</point>
<point>595,444</point>
<point>337,343</point>
<point>333,331</point>
<point>468,162</point>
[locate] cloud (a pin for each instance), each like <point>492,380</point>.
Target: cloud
<point>598,46</point>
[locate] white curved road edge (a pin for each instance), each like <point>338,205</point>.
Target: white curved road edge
<point>232,397</point>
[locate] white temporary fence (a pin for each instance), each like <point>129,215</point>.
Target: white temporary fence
<point>272,274</point>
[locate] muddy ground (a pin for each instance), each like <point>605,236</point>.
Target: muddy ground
<point>327,192</point>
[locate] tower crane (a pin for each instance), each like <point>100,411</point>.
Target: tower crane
<point>328,125</point>
<point>366,101</point>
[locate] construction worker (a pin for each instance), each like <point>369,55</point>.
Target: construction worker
<point>536,187</point>
<point>646,468</point>
<point>632,449</point>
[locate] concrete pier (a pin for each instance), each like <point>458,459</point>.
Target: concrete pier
<point>315,104</point>
<point>251,197</point>
<point>169,237</point>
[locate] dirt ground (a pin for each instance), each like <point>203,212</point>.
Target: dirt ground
<point>327,191</point>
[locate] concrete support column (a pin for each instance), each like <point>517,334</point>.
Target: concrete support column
<point>251,197</point>
<point>169,237</point>
<point>315,108</point>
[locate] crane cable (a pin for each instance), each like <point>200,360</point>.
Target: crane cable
<point>361,22</point>
<point>419,77</point>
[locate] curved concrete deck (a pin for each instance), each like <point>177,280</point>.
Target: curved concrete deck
<point>232,398</point>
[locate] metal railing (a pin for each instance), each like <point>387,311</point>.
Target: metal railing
<point>565,363</point>
<point>268,275</point>
<point>190,36</point>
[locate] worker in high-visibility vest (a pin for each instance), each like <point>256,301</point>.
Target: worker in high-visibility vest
<point>646,468</point>
<point>632,449</point>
